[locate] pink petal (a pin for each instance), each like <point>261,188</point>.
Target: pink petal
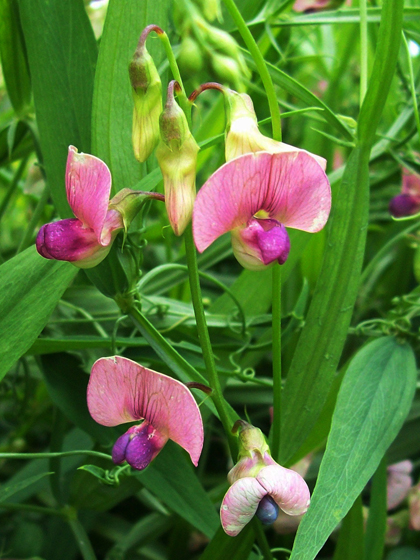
<point>121,390</point>
<point>68,240</point>
<point>399,483</point>
<point>410,183</point>
<point>240,504</point>
<point>88,186</point>
<point>290,187</point>
<point>286,487</point>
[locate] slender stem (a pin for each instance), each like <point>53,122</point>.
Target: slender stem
<point>58,454</point>
<point>412,84</point>
<point>363,50</point>
<point>262,539</point>
<point>173,65</point>
<point>27,237</point>
<point>81,537</point>
<point>35,509</point>
<point>260,64</point>
<point>59,426</point>
<point>276,321</point>
<point>12,187</point>
<point>204,338</point>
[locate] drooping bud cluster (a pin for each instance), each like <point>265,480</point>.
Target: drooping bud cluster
<point>204,44</point>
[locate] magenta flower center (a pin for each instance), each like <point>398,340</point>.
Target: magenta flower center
<point>138,446</point>
<point>269,237</point>
<point>404,205</point>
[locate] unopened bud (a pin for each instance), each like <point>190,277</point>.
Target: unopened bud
<point>190,58</point>
<point>147,95</point>
<point>177,158</point>
<point>228,70</point>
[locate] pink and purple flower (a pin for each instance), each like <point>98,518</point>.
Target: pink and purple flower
<point>256,196</point>
<point>122,391</point>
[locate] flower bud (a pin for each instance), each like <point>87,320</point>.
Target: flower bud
<point>227,70</point>
<point>211,9</point>
<point>190,58</point>
<point>147,95</point>
<point>177,158</point>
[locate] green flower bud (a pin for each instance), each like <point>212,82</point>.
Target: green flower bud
<point>177,158</point>
<point>190,57</point>
<point>147,95</point>
<point>228,70</point>
<point>211,9</point>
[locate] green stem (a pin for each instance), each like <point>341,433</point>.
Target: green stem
<point>276,321</point>
<point>27,237</point>
<point>363,50</point>
<point>35,509</point>
<point>58,454</point>
<point>260,64</point>
<point>412,84</point>
<point>12,187</point>
<point>59,426</point>
<point>262,539</point>
<point>173,65</point>
<point>204,338</point>
<point>81,537</point>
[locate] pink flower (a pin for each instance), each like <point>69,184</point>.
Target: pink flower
<point>399,483</point>
<point>408,202</point>
<point>121,391</point>
<point>255,197</point>
<point>260,486</point>
<point>85,240</point>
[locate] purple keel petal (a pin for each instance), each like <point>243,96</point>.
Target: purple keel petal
<point>138,446</point>
<point>260,243</point>
<point>121,390</point>
<point>68,240</point>
<point>286,487</point>
<point>404,205</point>
<point>290,187</point>
<point>267,511</point>
<point>240,504</point>
<point>88,186</point>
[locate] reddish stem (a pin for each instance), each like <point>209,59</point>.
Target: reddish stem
<point>203,87</point>
<point>145,34</point>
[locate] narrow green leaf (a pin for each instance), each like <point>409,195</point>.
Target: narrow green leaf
<point>67,384</point>
<point>404,553</point>
<point>172,479</point>
<point>8,490</point>
<point>387,50</point>
<point>30,287</point>
<point>112,104</point>
<point>350,539</point>
<point>373,401</point>
<point>376,523</point>
<point>13,57</point>
<point>62,55</point>
<point>321,341</point>
<point>222,547</point>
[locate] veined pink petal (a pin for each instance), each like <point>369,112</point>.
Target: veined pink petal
<point>88,186</point>
<point>240,504</point>
<point>121,390</point>
<point>290,187</point>
<point>286,487</point>
<point>69,240</point>
<point>410,183</point>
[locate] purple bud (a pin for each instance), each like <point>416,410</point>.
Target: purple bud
<point>267,510</point>
<point>404,205</point>
<point>138,446</point>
